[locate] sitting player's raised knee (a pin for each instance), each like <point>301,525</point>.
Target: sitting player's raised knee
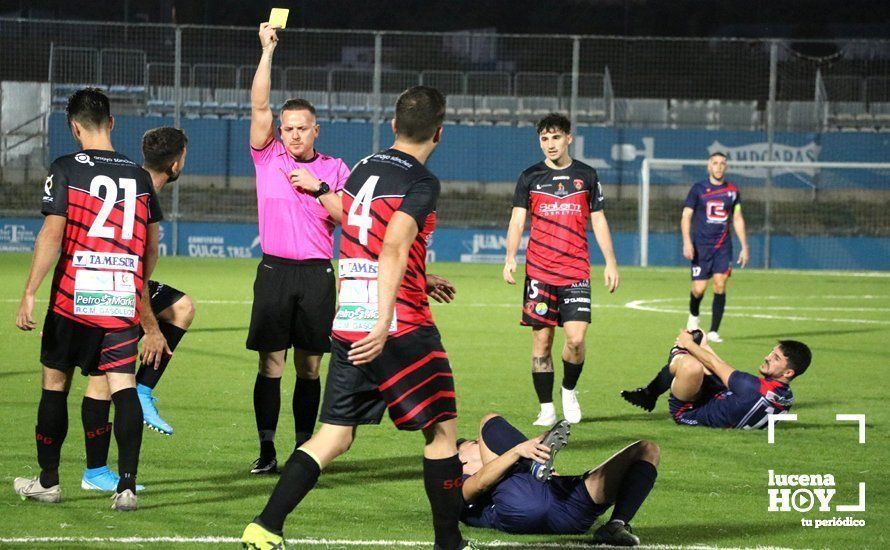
<point>183,312</point>
<point>486,418</point>
<point>649,451</point>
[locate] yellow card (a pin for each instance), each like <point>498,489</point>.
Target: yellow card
<point>278,17</point>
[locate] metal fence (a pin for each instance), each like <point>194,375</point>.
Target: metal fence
<point>199,77</point>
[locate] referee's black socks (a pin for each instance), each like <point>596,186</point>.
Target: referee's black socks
<point>51,429</point>
<point>148,375</point>
<point>307,395</point>
<point>299,476</point>
<point>266,406</point>
<point>441,479</point>
<point>128,434</point>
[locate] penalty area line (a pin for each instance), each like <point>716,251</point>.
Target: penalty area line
<point>327,542</point>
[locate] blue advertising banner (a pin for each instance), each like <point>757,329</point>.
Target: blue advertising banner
<point>241,240</point>
<point>500,153</point>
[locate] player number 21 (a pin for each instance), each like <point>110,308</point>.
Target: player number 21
<point>360,210</point>
<point>99,229</point>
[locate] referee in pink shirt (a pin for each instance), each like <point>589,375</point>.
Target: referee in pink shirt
<point>294,294</point>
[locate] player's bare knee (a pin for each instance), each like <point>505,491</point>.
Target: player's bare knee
<point>649,451</point>
<point>486,418</point>
<point>688,366</point>
<point>575,345</point>
<point>183,312</point>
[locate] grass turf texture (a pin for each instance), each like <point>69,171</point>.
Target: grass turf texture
<point>712,484</point>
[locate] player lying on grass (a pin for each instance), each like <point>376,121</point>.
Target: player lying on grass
<point>508,486</point>
<point>708,391</point>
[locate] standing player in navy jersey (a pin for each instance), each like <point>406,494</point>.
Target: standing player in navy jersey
<point>386,352</point>
<point>707,391</point>
<point>710,205</point>
<point>561,194</point>
<point>102,212</point>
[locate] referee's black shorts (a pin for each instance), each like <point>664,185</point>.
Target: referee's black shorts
<point>293,305</point>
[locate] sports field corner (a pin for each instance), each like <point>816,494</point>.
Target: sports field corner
<point>712,485</point>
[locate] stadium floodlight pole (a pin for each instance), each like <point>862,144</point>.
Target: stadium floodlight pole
<point>573,100</point>
<point>378,78</point>
<point>770,143</point>
<point>177,114</point>
<point>644,214</point>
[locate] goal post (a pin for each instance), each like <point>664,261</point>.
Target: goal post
<point>815,199</point>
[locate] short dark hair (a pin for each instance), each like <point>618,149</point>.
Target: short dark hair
<point>298,104</point>
<point>555,121</point>
<point>420,111</point>
<point>163,146</point>
<point>716,154</point>
<point>89,107</point>
<point>798,354</point>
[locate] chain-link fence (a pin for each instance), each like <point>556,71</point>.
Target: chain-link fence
<point>628,98</point>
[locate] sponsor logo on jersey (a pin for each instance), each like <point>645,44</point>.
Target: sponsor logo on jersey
<point>359,318</point>
<point>358,268</point>
<point>560,190</point>
<point>579,183</point>
<point>83,158</point>
<point>558,208</point>
<point>105,260</point>
<point>105,303</point>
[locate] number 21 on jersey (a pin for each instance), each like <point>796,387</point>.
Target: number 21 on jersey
<point>99,229</point>
<point>360,210</point>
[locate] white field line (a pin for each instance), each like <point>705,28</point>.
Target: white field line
<point>646,305</point>
<point>329,542</point>
<point>794,272</point>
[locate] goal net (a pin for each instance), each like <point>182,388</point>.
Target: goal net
<point>799,215</point>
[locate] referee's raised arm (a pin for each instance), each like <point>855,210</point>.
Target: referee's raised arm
<point>261,118</point>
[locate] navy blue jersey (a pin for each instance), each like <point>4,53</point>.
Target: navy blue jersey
<point>744,405</point>
<point>713,207</point>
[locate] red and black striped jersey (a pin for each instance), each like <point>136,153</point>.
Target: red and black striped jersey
<point>378,186</point>
<point>108,201</point>
<point>560,203</point>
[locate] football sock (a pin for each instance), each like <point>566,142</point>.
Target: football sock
<point>662,381</point>
<point>695,304</point>
<point>299,476</point>
<point>128,434</point>
<point>543,382</point>
<point>439,477</point>
<point>148,375</point>
<point>266,406</point>
<point>633,490</point>
<point>96,430</point>
<point>570,374</point>
<point>51,429</point>
<point>717,308</point>
<point>307,394</point>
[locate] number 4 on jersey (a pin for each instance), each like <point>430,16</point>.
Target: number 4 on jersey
<point>359,214</point>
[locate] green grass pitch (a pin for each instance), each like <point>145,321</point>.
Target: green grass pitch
<point>712,484</point>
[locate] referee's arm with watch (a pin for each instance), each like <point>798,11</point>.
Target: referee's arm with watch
<point>303,179</point>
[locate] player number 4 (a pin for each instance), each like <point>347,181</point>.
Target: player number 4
<point>359,214</point>
<point>99,229</point>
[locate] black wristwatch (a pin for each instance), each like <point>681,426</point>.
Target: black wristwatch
<point>323,189</point>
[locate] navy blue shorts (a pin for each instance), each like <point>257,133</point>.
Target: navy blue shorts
<point>686,412</point>
<point>708,261</point>
<point>522,504</point>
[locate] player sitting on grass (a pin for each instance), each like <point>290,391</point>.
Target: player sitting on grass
<point>509,484</point>
<point>707,391</point>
